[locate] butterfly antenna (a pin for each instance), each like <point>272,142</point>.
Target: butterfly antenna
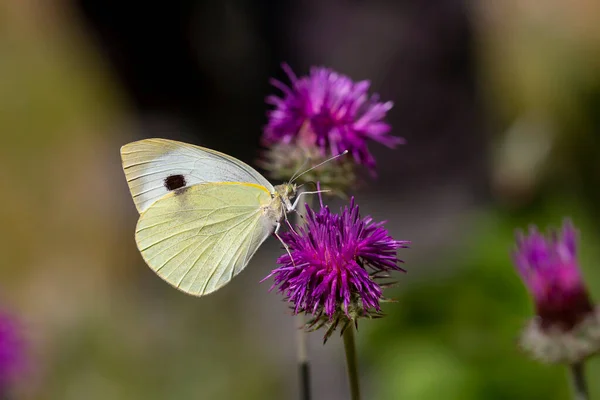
<point>318,165</point>
<point>306,160</point>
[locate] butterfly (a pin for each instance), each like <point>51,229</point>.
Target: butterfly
<point>203,214</point>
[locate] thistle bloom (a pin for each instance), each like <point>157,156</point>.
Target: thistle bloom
<point>566,328</point>
<point>330,111</point>
<point>334,263</point>
<point>11,353</point>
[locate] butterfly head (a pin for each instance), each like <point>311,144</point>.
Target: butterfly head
<point>286,192</point>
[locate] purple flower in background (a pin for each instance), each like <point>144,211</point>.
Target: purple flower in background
<point>329,110</point>
<point>335,261</point>
<point>11,352</point>
<point>567,326</point>
<point>548,266</point>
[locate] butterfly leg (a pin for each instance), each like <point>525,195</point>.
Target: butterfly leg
<point>287,221</point>
<point>303,193</point>
<point>276,233</point>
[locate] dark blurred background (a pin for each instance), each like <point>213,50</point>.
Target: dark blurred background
<point>500,106</point>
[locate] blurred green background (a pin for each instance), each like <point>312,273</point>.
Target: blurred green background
<point>499,102</point>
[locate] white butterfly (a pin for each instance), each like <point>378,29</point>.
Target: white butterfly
<point>203,214</point>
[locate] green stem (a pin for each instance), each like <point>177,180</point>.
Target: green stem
<point>579,385</point>
<point>351,362</point>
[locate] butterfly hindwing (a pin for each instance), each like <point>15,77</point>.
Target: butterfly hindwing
<point>198,238</point>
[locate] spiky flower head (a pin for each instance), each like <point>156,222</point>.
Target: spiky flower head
<point>566,328</point>
<point>334,266</point>
<point>283,160</point>
<point>11,353</point>
<point>329,111</point>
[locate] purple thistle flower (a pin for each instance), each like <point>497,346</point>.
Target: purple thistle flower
<point>335,261</point>
<point>329,110</point>
<point>567,326</point>
<point>548,267</point>
<point>11,353</point>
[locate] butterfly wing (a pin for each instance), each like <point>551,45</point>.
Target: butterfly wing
<point>155,167</point>
<point>198,238</point>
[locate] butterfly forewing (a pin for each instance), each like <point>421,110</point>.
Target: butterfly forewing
<point>155,167</point>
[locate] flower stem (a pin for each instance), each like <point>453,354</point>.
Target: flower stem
<point>303,364</point>
<point>351,363</point>
<point>302,345</point>
<point>580,390</point>
<point>305,380</point>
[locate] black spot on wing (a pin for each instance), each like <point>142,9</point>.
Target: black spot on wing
<point>173,182</point>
